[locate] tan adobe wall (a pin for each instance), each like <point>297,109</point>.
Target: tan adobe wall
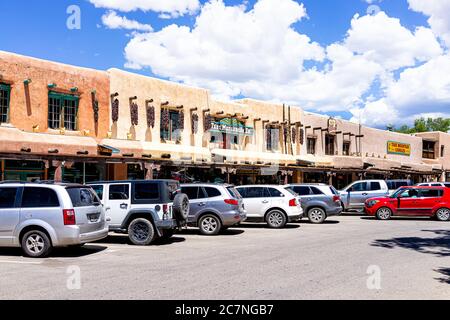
<point>29,103</point>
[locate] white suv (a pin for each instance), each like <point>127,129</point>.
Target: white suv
<point>40,216</point>
<point>273,204</point>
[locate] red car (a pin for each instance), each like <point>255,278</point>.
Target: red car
<point>412,201</point>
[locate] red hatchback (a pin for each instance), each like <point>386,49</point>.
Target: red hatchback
<point>412,201</point>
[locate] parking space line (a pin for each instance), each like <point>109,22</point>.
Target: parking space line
<point>20,262</point>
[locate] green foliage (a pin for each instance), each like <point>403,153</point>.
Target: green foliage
<point>424,125</point>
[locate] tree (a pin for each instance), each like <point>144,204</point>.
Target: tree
<point>424,125</point>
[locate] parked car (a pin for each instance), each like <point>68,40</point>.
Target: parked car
<point>412,201</point>
<point>40,216</point>
<point>213,207</point>
<point>393,185</point>
<point>319,201</point>
<point>355,195</point>
<point>273,204</point>
<point>434,184</point>
<point>144,209</point>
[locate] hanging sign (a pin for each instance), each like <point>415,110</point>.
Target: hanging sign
<point>231,126</point>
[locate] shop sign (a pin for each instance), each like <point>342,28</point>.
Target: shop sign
<point>231,126</point>
<point>399,148</point>
<point>332,126</point>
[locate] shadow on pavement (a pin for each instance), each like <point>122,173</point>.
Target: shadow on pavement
<point>445,272</point>
<point>68,252</point>
<point>318,224</point>
<point>123,239</point>
<point>262,225</point>
<point>227,232</point>
<point>438,246</point>
<point>400,219</point>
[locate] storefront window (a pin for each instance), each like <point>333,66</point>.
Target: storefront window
<point>62,111</point>
<point>5,91</point>
<point>21,170</point>
<point>428,149</point>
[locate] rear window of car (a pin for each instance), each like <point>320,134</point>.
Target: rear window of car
<point>83,197</point>
<point>39,198</point>
<point>119,192</point>
<point>301,190</point>
<point>146,191</point>
<point>374,186</point>
<point>99,191</point>
<point>212,192</point>
<point>289,189</point>
<point>431,193</point>
<point>275,193</point>
<point>233,192</point>
<point>334,191</point>
<point>316,191</point>
<point>191,192</point>
<point>447,185</point>
<point>7,197</point>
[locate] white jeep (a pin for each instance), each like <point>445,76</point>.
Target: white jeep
<point>145,209</point>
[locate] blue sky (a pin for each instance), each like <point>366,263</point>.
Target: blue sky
<point>38,28</point>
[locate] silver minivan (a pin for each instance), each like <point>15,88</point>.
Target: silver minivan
<point>40,216</point>
<point>213,207</point>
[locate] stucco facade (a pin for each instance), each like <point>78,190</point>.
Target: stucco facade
<point>148,127</point>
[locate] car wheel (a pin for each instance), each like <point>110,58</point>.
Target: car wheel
<point>316,215</point>
<point>209,225</point>
<point>384,213</point>
<point>36,244</point>
<point>181,207</point>
<point>141,232</point>
<point>276,219</point>
<point>443,214</point>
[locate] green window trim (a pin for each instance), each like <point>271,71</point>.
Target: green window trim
<point>5,98</point>
<point>60,114</point>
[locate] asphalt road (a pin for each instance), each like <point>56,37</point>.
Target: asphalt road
<point>305,261</point>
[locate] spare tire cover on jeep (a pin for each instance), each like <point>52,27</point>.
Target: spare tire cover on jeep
<point>181,207</point>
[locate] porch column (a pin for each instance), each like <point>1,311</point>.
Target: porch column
<point>58,171</point>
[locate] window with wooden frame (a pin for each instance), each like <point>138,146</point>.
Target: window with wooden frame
<point>329,144</point>
<point>62,111</point>
<point>170,123</point>
<point>311,145</point>
<point>346,148</point>
<point>428,150</point>
<point>272,138</point>
<point>5,93</point>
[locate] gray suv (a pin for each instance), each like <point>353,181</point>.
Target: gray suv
<point>40,216</point>
<point>213,207</point>
<point>319,201</point>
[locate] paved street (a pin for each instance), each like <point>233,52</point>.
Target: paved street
<point>305,261</point>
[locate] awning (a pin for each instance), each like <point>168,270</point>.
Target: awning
<point>122,148</point>
<point>13,140</point>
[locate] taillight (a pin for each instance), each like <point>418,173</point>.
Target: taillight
<point>165,208</point>
<point>292,203</point>
<point>336,198</point>
<point>233,202</point>
<point>69,217</point>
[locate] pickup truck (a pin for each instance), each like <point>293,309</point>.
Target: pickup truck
<point>355,195</point>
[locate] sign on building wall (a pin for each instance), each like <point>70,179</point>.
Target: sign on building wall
<point>399,148</point>
<point>231,126</point>
<point>332,126</point>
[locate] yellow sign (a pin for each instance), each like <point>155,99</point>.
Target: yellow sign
<point>399,148</point>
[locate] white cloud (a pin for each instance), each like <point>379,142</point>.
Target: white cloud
<point>112,21</point>
<point>384,40</point>
<point>174,8</point>
<point>438,12</point>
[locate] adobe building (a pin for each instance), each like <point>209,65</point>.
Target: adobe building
<point>77,124</point>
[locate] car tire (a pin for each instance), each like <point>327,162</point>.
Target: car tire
<point>181,207</point>
<point>209,225</point>
<point>141,232</point>
<point>384,213</point>
<point>443,214</point>
<point>276,219</point>
<point>316,215</point>
<point>36,244</point>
